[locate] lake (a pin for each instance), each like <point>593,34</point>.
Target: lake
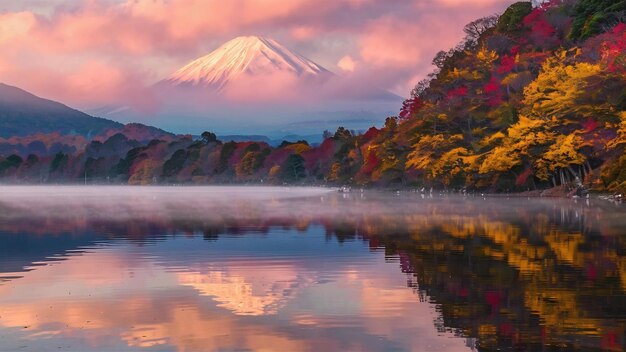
<point>307,269</point>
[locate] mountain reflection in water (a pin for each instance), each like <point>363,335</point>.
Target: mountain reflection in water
<point>245,268</point>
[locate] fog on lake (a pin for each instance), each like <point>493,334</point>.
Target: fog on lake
<point>307,269</point>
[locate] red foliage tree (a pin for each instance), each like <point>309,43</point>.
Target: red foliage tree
<point>410,107</point>
<point>614,49</point>
<point>458,92</point>
<point>507,63</point>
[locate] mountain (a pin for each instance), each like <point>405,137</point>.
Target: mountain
<point>244,56</point>
<point>255,85</point>
<point>22,114</point>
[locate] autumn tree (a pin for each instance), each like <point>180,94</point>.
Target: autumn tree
<point>557,90</point>
<point>560,157</point>
<point>475,29</point>
<point>620,140</point>
<point>144,173</point>
<point>520,147</point>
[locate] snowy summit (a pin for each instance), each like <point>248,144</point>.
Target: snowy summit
<point>248,55</point>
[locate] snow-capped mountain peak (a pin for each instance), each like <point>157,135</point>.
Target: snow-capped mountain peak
<point>249,55</point>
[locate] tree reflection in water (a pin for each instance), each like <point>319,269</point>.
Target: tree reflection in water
<point>524,274</point>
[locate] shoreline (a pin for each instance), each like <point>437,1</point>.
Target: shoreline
<point>555,192</point>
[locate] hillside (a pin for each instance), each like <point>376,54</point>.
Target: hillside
<point>22,114</point>
<point>530,100</point>
<point>535,98</point>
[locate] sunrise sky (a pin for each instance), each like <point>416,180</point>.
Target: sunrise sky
<point>89,53</point>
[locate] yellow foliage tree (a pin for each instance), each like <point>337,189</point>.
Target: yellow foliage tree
<point>557,88</point>
<point>500,159</point>
<point>560,156</point>
<point>451,164</point>
<point>486,57</point>
<point>246,166</point>
<point>298,148</point>
<point>144,173</point>
<point>515,149</point>
<point>620,140</point>
<point>333,174</point>
<point>437,154</point>
<point>274,172</point>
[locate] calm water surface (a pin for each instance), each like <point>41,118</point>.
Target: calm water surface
<point>278,269</point>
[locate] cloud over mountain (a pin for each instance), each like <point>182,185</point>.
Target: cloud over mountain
<point>96,43</point>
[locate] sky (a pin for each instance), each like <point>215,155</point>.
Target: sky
<point>90,53</point>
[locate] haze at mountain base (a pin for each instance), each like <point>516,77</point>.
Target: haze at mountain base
<point>257,85</point>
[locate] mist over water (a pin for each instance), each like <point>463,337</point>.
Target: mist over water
<point>306,269</point>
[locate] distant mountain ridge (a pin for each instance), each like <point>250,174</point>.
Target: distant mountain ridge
<point>33,126</point>
<point>23,113</point>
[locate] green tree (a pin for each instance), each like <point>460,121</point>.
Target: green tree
<point>208,137</point>
<point>511,20</point>
<point>226,152</point>
<point>592,17</point>
<point>59,162</point>
<point>175,164</point>
<point>293,168</point>
<point>13,161</point>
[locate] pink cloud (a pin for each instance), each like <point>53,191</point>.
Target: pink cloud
<point>303,33</point>
<point>391,42</point>
<point>92,83</point>
<point>88,53</point>
<point>477,3</point>
<point>282,86</point>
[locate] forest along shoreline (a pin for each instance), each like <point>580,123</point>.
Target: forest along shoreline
<point>533,100</point>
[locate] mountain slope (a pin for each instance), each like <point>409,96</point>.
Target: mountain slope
<point>241,56</point>
<point>22,113</point>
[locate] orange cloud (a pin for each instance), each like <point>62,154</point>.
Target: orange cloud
<point>15,25</point>
<point>347,63</point>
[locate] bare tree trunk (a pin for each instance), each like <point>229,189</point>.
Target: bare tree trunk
<point>469,129</point>
<point>581,172</point>
<point>588,166</point>
<point>571,170</point>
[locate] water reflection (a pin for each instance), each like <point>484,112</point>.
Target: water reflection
<point>305,270</point>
